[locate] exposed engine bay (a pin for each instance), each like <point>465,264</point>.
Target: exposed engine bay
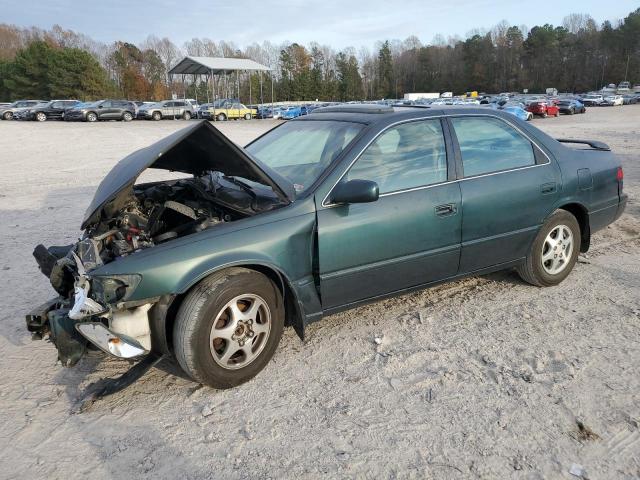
<point>153,214</point>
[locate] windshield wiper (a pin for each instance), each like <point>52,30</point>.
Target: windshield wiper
<point>242,185</point>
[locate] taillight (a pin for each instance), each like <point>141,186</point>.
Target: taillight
<point>619,174</point>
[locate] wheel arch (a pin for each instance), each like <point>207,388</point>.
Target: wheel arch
<point>582,216</point>
<point>294,316</point>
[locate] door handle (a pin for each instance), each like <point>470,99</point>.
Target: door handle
<point>446,210</point>
<point>546,188</point>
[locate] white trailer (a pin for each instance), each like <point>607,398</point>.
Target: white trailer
<point>420,96</point>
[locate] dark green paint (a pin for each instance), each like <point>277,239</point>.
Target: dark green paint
<point>335,256</point>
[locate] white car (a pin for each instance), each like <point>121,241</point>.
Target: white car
<point>613,100</point>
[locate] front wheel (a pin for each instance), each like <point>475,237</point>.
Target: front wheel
<point>7,115</point>
<point>221,117</point>
<point>41,116</point>
<point>247,116</point>
<point>186,116</point>
<point>92,117</point>
<point>557,113</point>
<point>228,327</point>
<point>544,115</point>
<point>156,116</point>
<point>554,251</point>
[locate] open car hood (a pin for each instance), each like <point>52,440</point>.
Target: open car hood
<point>196,149</point>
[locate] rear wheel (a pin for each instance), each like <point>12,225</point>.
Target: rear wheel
<point>557,113</point>
<point>92,117</point>
<point>221,117</point>
<point>41,116</point>
<point>127,116</point>
<point>186,116</point>
<point>554,251</point>
<point>544,115</point>
<point>247,116</point>
<point>228,327</point>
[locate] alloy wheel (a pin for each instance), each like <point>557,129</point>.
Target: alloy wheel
<point>557,249</point>
<point>240,331</point>
<point>41,117</point>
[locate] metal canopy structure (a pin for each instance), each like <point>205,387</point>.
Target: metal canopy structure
<point>215,66</point>
<point>211,67</point>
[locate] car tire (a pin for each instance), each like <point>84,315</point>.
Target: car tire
<point>547,263</point>
<point>156,116</point>
<point>221,117</point>
<point>247,116</point>
<point>211,345</point>
<point>186,116</point>
<point>544,115</point>
<point>41,117</point>
<point>127,116</point>
<point>8,115</point>
<point>92,117</point>
<point>572,111</point>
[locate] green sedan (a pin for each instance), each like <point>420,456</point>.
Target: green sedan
<point>346,206</point>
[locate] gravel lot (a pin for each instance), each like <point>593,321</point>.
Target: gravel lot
<point>482,378</point>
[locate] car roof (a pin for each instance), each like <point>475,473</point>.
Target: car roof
<point>368,115</point>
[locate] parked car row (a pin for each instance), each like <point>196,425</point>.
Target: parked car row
<point>522,106</point>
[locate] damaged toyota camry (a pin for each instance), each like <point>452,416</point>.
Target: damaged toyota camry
<point>345,206</point>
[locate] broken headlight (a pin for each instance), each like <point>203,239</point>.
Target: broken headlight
<point>114,288</point>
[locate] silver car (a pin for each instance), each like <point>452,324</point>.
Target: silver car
<point>167,109</point>
<point>7,113</point>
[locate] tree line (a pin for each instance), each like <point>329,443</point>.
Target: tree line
<point>578,55</point>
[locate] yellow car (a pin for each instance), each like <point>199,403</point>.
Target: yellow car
<point>234,110</point>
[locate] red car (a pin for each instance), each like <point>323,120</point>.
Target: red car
<point>544,109</point>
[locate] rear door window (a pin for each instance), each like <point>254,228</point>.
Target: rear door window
<point>490,145</point>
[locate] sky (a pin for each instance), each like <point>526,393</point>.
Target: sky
<point>338,23</point>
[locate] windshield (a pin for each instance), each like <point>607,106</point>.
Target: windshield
<point>301,151</point>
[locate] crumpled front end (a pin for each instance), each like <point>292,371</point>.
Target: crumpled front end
<point>91,312</point>
<point>94,309</point>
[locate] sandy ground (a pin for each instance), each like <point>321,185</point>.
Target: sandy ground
<point>482,378</point>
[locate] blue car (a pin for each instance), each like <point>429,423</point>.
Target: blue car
<point>519,112</point>
<point>288,113</point>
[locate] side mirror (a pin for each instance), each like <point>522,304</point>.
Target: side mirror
<point>355,191</point>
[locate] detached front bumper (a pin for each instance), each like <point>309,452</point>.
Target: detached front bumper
<point>73,322</point>
<point>71,336</point>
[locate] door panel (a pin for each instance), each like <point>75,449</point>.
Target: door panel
<point>502,214</point>
<point>400,241</point>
